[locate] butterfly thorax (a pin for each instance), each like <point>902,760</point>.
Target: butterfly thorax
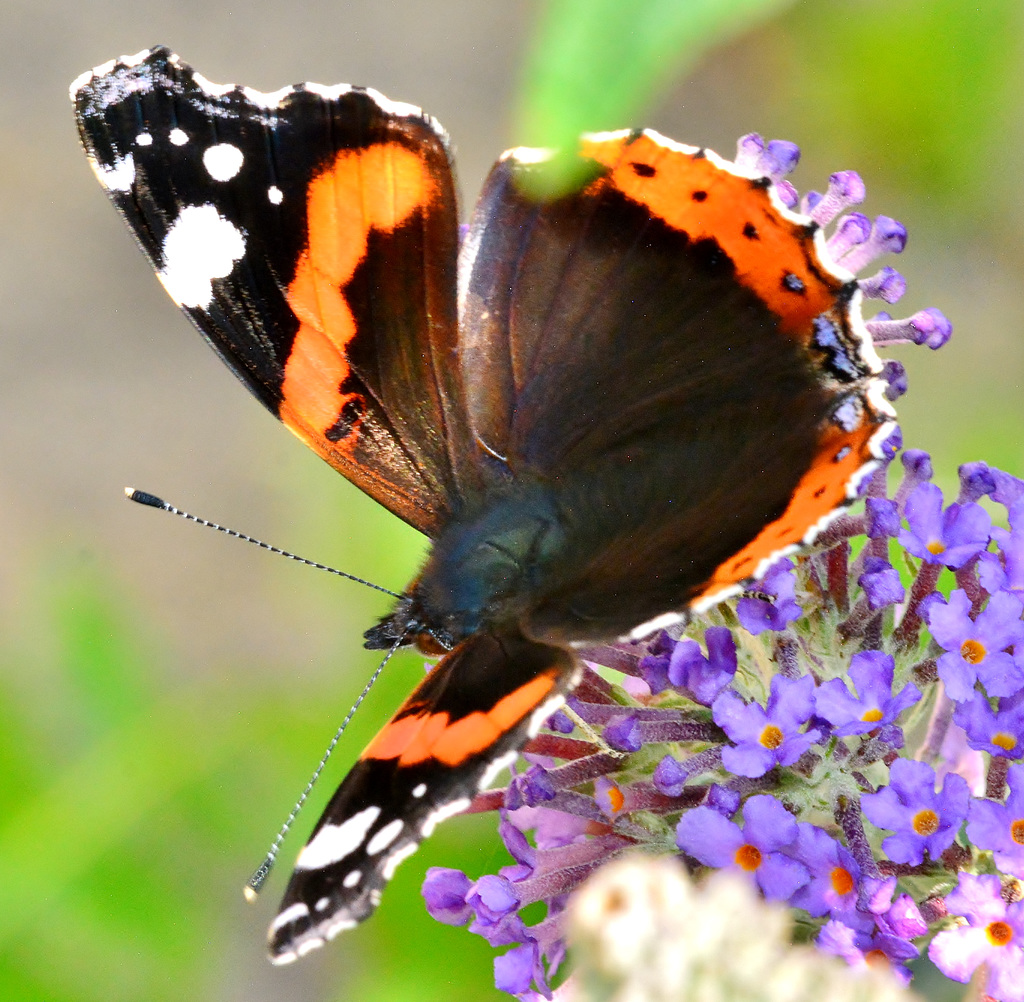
<point>487,569</point>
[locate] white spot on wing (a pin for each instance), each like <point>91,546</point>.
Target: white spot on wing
<point>265,100</point>
<point>213,89</point>
<point>324,903</point>
<point>308,946</point>
<point>179,137</point>
<point>492,770</point>
<point>443,813</point>
<point>82,80</point>
<point>120,176</point>
<point>144,139</point>
<point>382,839</point>
<point>399,856</point>
<point>334,842</point>
<point>352,878</point>
<point>275,194</point>
<point>419,789</point>
<point>201,245</point>
<point>541,714</point>
<point>662,622</point>
<point>299,910</point>
<point>328,93</point>
<point>334,928</point>
<point>223,161</point>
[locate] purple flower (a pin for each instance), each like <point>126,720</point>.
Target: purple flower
<point>859,947</point>
<point>903,919</point>
<point>998,732</point>
<point>757,614</point>
<point>623,734</point>
<point>874,705</point>
<point>949,537</point>
<point>529,789</point>
<point>670,776</point>
<point>495,902</point>
<point>444,891</point>
<point>521,967</point>
<point>654,665</point>
<point>1007,574</point>
<point>881,583</point>
<point>883,518</point>
<point>704,677</point>
<point>921,819</point>
<point>994,935</point>
<point>755,848</point>
<point>976,649</point>
<point>1000,827</point>
<point>766,738</point>
<point>834,874</point>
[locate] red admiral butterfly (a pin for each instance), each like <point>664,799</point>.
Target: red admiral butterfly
<point>605,409</point>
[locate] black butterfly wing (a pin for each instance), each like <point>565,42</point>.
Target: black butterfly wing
<point>311,235</point>
<point>463,724</point>
<point>648,345</point>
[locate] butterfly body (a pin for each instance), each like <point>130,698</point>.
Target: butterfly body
<point>605,410</point>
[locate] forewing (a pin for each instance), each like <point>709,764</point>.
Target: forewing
<point>668,350</point>
<point>311,236</point>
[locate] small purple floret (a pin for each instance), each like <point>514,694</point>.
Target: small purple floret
<point>976,648</point>
<point>886,284</point>
<point>999,732</point>
<point>757,615</point>
<point>766,737</point>
<point>623,733</point>
<point>755,848</point>
<point>1000,827</point>
<point>929,327</point>
<point>853,229</point>
<point>888,236</point>
<point>883,518</point>
<point>951,536</point>
<point>874,705</point>
<point>704,677</point>
<point>881,583</point>
<point>444,891</point>
<point>993,936</point>
<point>921,819</point>
<point>845,188</point>
<point>895,374</point>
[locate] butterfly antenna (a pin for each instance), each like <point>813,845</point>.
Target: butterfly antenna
<point>141,497</point>
<point>255,882</point>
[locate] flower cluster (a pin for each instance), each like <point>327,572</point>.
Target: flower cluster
<point>849,738</point>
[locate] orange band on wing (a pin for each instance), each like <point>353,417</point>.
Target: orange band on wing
<point>415,738</point>
<point>378,187</point>
<point>821,491</point>
<point>692,194</point>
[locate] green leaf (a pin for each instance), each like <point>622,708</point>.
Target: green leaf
<point>596,64</point>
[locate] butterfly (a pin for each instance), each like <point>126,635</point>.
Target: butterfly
<point>607,409</point>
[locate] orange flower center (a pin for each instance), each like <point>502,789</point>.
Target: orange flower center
<point>973,652</point>
<point>936,546</point>
<point>1017,831</point>
<point>875,958</point>
<point>926,822</point>
<point>771,736</point>
<point>748,857</point>
<point>999,933</point>
<point>615,798</point>
<point>842,882</point>
<point>870,716</point>
<point>1005,741</point>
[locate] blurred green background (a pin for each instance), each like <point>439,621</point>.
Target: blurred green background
<point>164,693</point>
